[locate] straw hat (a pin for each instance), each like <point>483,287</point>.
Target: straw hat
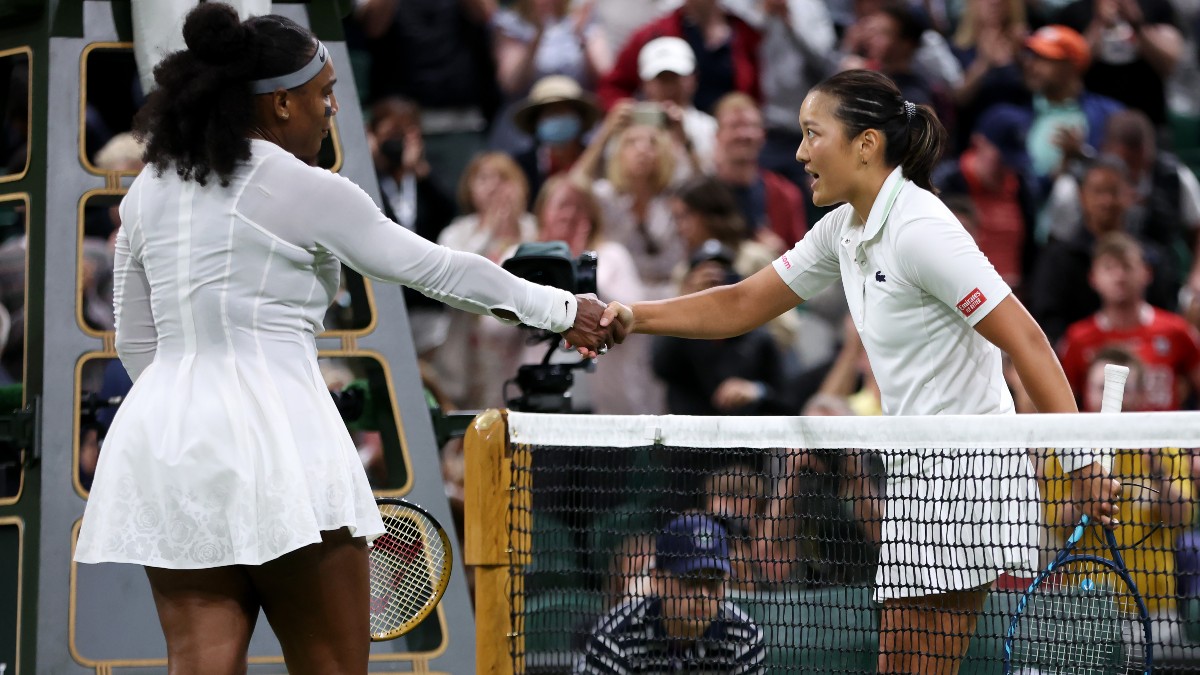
<point>555,89</point>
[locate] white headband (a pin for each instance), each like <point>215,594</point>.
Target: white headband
<point>295,79</point>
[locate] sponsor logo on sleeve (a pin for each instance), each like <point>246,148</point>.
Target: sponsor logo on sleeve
<point>787,264</point>
<point>972,302</point>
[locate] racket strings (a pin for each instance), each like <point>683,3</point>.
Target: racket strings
<point>1083,622</point>
<point>407,567</point>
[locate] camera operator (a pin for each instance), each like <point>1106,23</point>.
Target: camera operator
<point>742,375</point>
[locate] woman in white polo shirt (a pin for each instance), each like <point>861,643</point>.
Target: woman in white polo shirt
<point>933,316</point>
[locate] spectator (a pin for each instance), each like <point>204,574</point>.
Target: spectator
<point>797,41</point>
<point>476,357</point>
<point>726,51</point>
<point>1065,121</point>
<point>736,497</point>
<point>1157,491</point>
<point>1166,196</point>
<point>992,175</point>
<point>933,61</point>
<point>687,622</point>
<point>539,38</point>
<point>893,38</point>
<point>438,54</point>
<point>412,198</point>
<point>773,207</point>
<point>634,194</point>
<point>1136,45</point>
<point>1166,345</point>
<point>987,43</point>
<point>741,375</point>
<point>556,114</point>
<point>1059,294</point>
<point>620,18</point>
<point>705,211</point>
<point>622,383</point>
<point>667,66</point>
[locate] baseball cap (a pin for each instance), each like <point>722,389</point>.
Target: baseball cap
<point>1005,125</point>
<point>693,542</point>
<point>1060,43</point>
<point>666,55</point>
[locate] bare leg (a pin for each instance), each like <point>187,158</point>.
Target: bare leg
<point>317,599</point>
<point>207,617</point>
<point>928,635</point>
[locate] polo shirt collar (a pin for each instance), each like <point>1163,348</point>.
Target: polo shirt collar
<point>884,202</point>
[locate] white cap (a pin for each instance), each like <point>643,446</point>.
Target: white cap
<point>666,54</point>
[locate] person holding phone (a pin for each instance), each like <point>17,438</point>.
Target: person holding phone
<point>667,68</point>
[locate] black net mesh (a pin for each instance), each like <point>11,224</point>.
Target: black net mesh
<point>819,544</point>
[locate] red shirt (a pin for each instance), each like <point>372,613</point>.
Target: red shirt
<point>1168,346</point>
<point>623,81</point>
<point>1001,230</point>
<point>785,208</point>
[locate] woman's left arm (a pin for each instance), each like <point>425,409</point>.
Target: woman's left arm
<point>1011,328</point>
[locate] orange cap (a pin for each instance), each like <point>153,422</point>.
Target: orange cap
<point>1060,43</point>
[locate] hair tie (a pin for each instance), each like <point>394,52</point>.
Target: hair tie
<point>910,110</point>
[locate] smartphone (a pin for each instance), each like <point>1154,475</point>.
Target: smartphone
<point>649,114</point>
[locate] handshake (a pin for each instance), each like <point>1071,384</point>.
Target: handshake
<point>598,326</point>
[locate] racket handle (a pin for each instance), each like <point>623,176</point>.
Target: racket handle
<point>1114,388</point>
<point>1114,398</point>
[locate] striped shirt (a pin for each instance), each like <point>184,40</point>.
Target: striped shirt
<point>632,639</point>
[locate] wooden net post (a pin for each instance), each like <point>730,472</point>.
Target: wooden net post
<point>496,539</point>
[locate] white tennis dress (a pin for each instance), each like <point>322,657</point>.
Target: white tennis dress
<point>228,449</point>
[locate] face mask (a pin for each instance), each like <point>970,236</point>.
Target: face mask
<point>558,129</point>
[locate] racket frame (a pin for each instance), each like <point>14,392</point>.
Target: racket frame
<point>439,588</point>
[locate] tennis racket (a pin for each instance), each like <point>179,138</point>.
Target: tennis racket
<point>1083,613</point>
<point>410,568</point>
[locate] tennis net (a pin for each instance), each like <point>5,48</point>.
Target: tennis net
<point>607,555</point>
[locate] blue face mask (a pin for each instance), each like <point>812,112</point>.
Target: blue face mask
<point>558,129</point>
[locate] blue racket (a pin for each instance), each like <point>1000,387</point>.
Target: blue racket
<point>1082,614</point>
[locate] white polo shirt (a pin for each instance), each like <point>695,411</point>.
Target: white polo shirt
<point>916,284</point>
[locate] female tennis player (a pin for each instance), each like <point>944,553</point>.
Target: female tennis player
<point>227,472</point>
<point>933,316</point>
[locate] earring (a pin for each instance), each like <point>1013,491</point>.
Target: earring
<point>863,160</point>
<point>285,116</point>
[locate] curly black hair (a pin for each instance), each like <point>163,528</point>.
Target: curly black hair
<point>198,116</point>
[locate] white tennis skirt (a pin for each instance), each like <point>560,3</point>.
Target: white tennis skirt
<point>956,519</point>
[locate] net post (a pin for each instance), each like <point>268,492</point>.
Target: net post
<point>486,546</point>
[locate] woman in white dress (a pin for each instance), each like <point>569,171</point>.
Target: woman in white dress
<point>227,472</point>
<point>934,317</point>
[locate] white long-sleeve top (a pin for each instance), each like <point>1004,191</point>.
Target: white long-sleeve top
<point>228,448</point>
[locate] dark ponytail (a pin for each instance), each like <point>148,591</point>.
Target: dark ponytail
<point>201,111</point>
<point>914,138</point>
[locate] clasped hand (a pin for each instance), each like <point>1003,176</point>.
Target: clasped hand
<point>598,326</point>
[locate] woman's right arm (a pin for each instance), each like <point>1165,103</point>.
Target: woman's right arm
<point>720,312</point>
<point>726,311</point>
<point>315,209</point>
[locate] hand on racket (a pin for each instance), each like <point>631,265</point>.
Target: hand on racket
<point>1096,492</point>
<point>1092,486</point>
<point>410,568</point>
